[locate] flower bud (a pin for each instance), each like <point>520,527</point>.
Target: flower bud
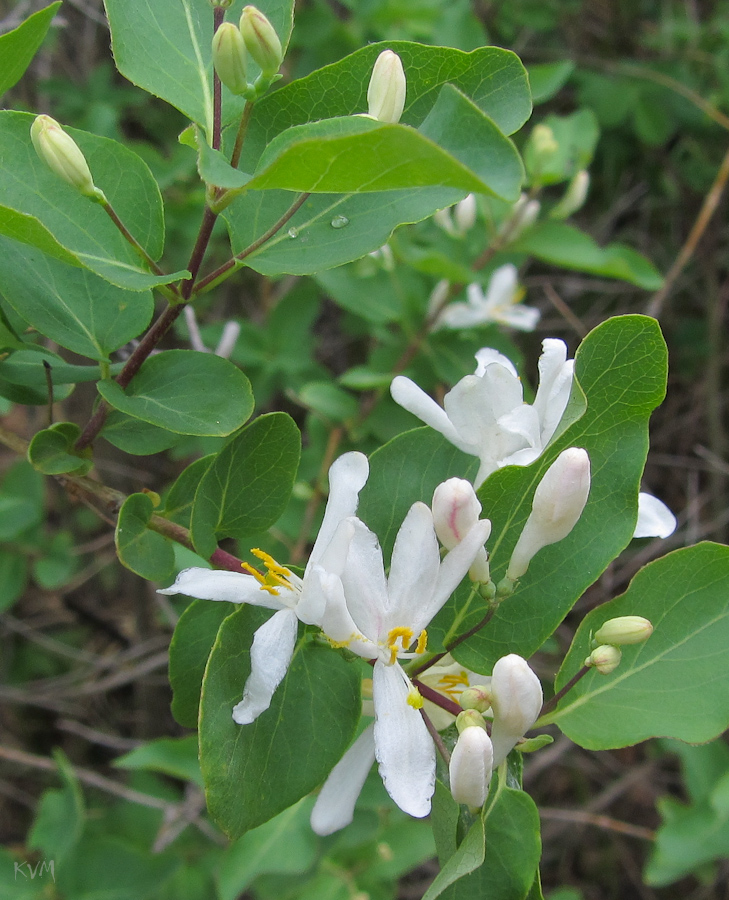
<point>229,57</point>
<point>455,511</point>
<point>464,214</point>
<point>605,659</point>
<point>523,214</point>
<point>470,767</point>
<point>624,630</point>
<point>516,700</point>
<point>477,697</point>
<point>469,718</point>
<point>574,197</point>
<point>261,40</point>
<point>558,503</point>
<point>386,91</point>
<point>62,154</point>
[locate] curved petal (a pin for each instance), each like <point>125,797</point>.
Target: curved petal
<point>271,652</point>
<point>334,807</point>
<point>487,356</point>
<point>337,623</point>
<point>335,555</point>
<point>414,400</point>
<point>364,582</point>
<point>655,519</point>
<point>347,477</point>
<point>524,318</point>
<point>414,566</point>
<point>461,315</point>
<point>502,286</point>
<point>211,584</point>
<point>403,748</point>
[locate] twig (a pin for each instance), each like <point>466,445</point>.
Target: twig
<point>437,739</point>
<point>564,310</point>
<point>93,736</point>
<point>578,816</point>
<point>550,705</point>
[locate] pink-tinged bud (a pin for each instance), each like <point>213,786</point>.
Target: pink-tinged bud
<point>516,698</point>
<point>386,91</point>
<point>477,697</point>
<point>624,630</point>
<point>605,659</point>
<point>229,57</point>
<point>470,767</point>
<point>62,154</point>
<point>261,40</point>
<point>455,511</point>
<point>558,503</point>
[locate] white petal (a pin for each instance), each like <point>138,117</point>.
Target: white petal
<point>337,623</point>
<point>364,582</point>
<point>404,749</point>
<point>347,477</point>
<point>461,315</point>
<point>334,807</point>
<point>334,556</point>
<point>655,519</point>
<point>414,566</point>
<point>524,422</point>
<point>524,318</point>
<point>486,356</point>
<point>502,286</point>
<point>210,584</point>
<point>556,373</point>
<point>414,400</point>
<point>470,767</point>
<point>271,652</point>
<point>451,572</point>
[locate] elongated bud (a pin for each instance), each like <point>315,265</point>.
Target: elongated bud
<point>516,700</point>
<point>386,91</point>
<point>469,718</point>
<point>261,40</point>
<point>624,630</point>
<point>455,511</point>
<point>524,213</point>
<point>464,214</point>
<point>558,503</point>
<point>62,154</point>
<point>470,767</point>
<point>574,197</point>
<point>605,659</point>
<point>229,57</point>
<point>477,697</point>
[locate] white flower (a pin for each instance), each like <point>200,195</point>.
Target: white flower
<point>499,304</point>
<point>295,599</point>
<point>485,414</point>
<point>655,519</point>
<point>471,766</point>
<point>389,615</point>
<point>516,701</point>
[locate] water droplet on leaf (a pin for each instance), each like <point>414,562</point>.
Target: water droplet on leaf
<point>293,233</point>
<point>339,222</point>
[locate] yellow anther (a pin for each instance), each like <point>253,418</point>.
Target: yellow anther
<point>452,685</point>
<point>422,642</point>
<point>404,635</point>
<point>414,698</point>
<point>275,576</point>
<point>270,563</point>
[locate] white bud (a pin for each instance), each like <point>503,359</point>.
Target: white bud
<point>624,630</point>
<point>438,297</point>
<point>229,57</point>
<point>386,91</point>
<point>464,214</point>
<point>516,698</point>
<point>63,155</point>
<point>558,503</point>
<point>470,767</point>
<point>605,659</point>
<point>261,40</point>
<point>574,197</point>
<point>456,509</point>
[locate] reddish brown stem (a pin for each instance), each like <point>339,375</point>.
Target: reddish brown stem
<point>551,704</point>
<point>218,16</point>
<point>430,694</point>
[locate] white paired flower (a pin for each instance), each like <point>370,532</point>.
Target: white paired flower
<point>655,519</point>
<point>389,615</point>
<point>500,304</point>
<point>516,700</point>
<point>294,599</point>
<point>485,414</point>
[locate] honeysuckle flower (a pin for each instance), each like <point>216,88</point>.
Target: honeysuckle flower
<point>389,615</point>
<point>386,90</point>
<point>294,599</point>
<point>456,509</point>
<point>452,680</point>
<point>485,414</point>
<point>471,766</point>
<point>516,701</point>
<point>655,519</point>
<point>500,304</point>
<point>558,502</point>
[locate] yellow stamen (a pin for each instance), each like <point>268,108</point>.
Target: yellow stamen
<point>275,577</point>
<point>422,642</point>
<point>414,698</point>
<point>404,635</point>
<point>450,684</point>
<point>270,563</point>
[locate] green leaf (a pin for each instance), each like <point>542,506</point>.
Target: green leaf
<point>165,47</point>
<point>576,137</point>
<point>564,245</point>
<point>58,564</point>
<point>328,400</point>
<point>685,595</point>
<point>253,772</point>
<point>51,451</point>
<point>185,391</point>
<point>468,856</point>
<point>135,436</point>
<point>60,818</point>
<point>181,496</point>
<point>108,868</point>
<point>546,79</point>
<point>17,514</point>
<point>24,378</point>
<point>190,648</point>
<point>72,306</point>
<point>248,484</point>
<point>143,551</point>
<point>19,46</point>
<point>79,226</point>
<point>29,230</point>
<point>284,845</point>
<point>171,756</point>
<point>13,577</point>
